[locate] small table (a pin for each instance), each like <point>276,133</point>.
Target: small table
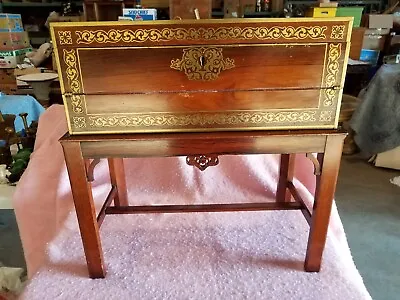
<point>82,153</point>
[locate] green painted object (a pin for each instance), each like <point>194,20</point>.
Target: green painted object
<point>355,11</point>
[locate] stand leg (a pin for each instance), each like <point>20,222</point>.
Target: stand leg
<point>285,174</point>
<point>85,210</point>
<point>117,176</point>
<point>324,193</point>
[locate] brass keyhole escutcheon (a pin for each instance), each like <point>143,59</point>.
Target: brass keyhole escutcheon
<point>202,63</point>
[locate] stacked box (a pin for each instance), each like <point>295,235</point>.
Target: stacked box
<point>8,82</point>
<point>11,23</point>
<point>10,59</point>
<point>14,41</point>
<point>140,14</point>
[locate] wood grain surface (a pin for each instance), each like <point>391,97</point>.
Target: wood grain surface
<point>120,71</point>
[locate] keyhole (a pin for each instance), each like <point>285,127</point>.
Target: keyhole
<point>202,61</point>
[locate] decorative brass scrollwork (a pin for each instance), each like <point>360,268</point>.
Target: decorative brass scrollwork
<point>202,162</point>
<point>202,63</point>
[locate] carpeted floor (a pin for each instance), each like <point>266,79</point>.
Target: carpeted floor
<point>369,207</point>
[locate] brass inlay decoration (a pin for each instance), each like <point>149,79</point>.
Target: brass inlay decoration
<point>76,102</point>
<point>337,32</point>
<point>200,119</point>
<point>72,73</point>
<point>202,63</point>
<point>179,34</point>
<point>332,71</point>
<point>202,162</point>
<point>79,122</point>
<point>325,116</point>
<point>65,37</point>
<point>72,70</point>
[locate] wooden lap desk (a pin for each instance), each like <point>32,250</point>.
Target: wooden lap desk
<point>202,89</point>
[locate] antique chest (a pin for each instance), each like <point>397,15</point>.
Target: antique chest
<point>202,75</point>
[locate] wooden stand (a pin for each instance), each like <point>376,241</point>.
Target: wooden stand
<point>82,153</point>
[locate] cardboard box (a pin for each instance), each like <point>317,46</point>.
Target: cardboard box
<point>374,39</point>
<point>8,82</point>
<point>357,38</point>
<point>389,159</point>
<point>11,23</point>
<point>140,14</point>
<point>14,40</point>
<point>10,59</point>
<point>377,21</point>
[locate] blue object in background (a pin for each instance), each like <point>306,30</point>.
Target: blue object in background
<point>371,56</point>
<point>16,104</point>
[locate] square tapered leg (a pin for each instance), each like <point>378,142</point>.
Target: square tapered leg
<point>286,170</point>
<point>117,176</point>
<point>324,194</point>
<point>85,210</point>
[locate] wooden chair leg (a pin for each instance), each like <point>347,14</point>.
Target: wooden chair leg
<point>117,176</point>
<point>85,210</point>
<point>285,174</point>
<point>324,193</point>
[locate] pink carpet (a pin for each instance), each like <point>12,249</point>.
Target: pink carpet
<point>241,255</point>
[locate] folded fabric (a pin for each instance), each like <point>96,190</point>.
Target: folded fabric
<point>376,121</point>
<point>254,255</point>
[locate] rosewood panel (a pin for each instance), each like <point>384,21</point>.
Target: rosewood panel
<point>202,101</point>
<point>120,71</point>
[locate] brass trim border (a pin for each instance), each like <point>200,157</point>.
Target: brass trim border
<point>343,74</point>
<point>200,119</point>
<point>348,20</point>
<point>60,77</point>
<point>140,35</point>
